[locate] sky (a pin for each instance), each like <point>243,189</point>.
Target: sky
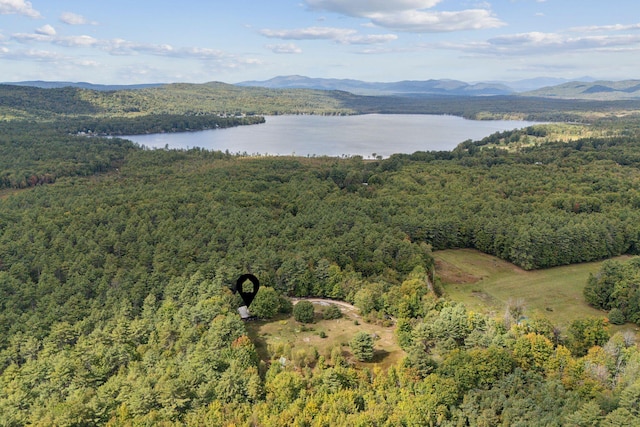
<point>197,41</point>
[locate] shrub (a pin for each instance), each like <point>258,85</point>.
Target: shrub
<point>332,312</point>
<point>303,312</point>
<point>285,307</point>
<point>616,316</point>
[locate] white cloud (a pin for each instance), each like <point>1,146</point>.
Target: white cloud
<point>551,41</point>
<point>31,55</point>
<point>71,18</point>
<point>364,8</point>
<point>371,39</point>
<point>155,49</point>
<point>532,38</point>
<point>378,50</point>
<point>431,22</point>
<point>48,35</point>
<point>76,41</point>
<point>538,43</point>
<point>18,7</point>
<point>43,55</point>
<point>605,28</point>
<point>411,15</point>
<point>46,30</point>
<point>121,47</point>
<point>87,63</point>
<point>213,58</point>
<point>310,33</point>
<point>197,52</point>
<point>288,48</point>
<point>243,62</point>
<point>31,37</point>
<point>339,35</point>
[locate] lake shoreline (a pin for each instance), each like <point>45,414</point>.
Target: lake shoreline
<point>307,135</point>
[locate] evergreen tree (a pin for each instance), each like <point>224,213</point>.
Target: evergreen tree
<point>362,346</point>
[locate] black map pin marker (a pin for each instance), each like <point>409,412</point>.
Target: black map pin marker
<point>247,295</point>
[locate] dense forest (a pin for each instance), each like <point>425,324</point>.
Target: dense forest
<point>616,288</point>
<point>116,264</point>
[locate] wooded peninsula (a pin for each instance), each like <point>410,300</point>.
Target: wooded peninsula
<point>117,263</point>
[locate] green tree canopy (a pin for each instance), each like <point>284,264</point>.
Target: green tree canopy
<point>303,312</point>
<point>362,346</point>
<point>266,303</point>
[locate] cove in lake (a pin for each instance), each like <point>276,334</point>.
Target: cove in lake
<point>305,135</point>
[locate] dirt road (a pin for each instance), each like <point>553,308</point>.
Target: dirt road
<point>345,307</point>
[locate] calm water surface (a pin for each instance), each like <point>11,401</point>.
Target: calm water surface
<point>382,134</point>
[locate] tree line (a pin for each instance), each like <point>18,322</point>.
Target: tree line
<point>157,123</point>
<point>616,288</point>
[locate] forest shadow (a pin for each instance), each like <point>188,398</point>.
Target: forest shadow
<point>379,355</point>
<point>253,331</point>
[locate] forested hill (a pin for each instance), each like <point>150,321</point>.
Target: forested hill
<point>213,100</point>
<point>82,85</point>
<point>18,102</point>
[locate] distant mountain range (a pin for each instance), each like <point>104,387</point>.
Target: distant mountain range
<point>545,87</point>
<point>411,87</point>
<point>540,82</point>
<point>405,87</point>
<point>597,90</point>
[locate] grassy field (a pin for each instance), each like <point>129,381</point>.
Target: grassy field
<point>486,283</point>
<point>284,332</point>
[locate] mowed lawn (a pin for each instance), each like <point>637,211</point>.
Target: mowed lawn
<point>485,283</point>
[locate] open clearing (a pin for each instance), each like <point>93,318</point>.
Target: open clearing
<point>286,331</point>
<point>482,282</point>
<point>485,283</point>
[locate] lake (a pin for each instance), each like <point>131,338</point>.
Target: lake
<point>308,135</point>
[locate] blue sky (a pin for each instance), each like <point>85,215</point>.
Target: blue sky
<point>139,41</point>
